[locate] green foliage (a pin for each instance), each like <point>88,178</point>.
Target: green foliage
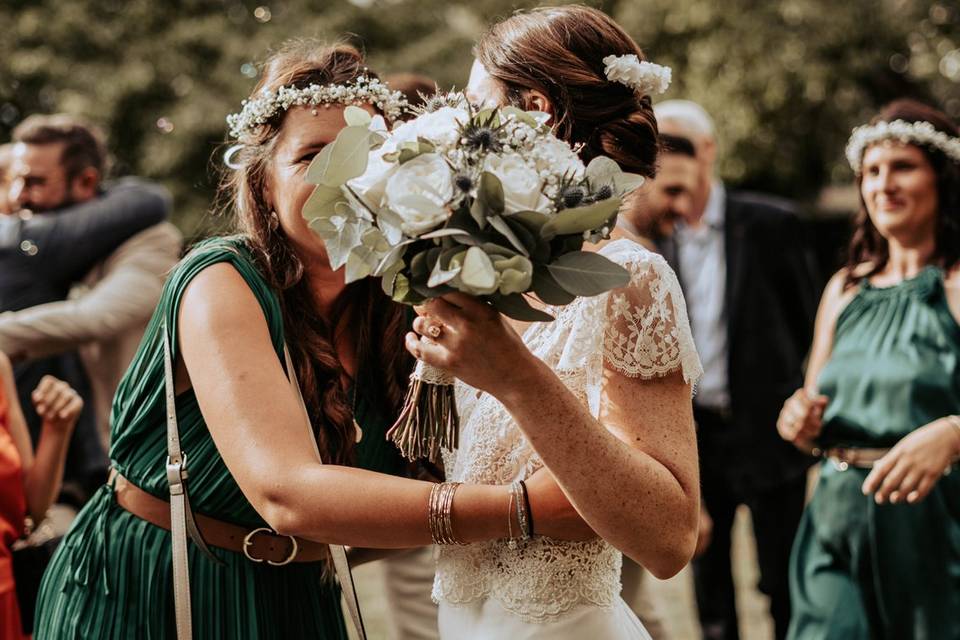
<point>784,80</point>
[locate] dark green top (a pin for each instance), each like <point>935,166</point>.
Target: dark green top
<point>860,570</point>
<point>111,578</point>
<point>894,363</point>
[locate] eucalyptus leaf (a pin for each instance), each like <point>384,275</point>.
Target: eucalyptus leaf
<point>419,269</point>
<point>548,289</point>
<point>478,211</point>
<point>404,292</point>
<point>344,159</point>
<point>516,306</point>
<point>445,270</point>
<point>478,275</point>
<point>392,258</point>
<point>602,170</point>
<point>339,237</point>
<point>533,220</point>
<point>491,192</point>
<point>407,154</point>
<point>520,115</point>
<point>322,202</point>
<point>627,182</point>
<point>585,273</point>
<point>446,231</point>
<point>358,265</point>
<point>357,117</point>
<point>580,219</point>
<point>501,226</point>
<point>388,277</point>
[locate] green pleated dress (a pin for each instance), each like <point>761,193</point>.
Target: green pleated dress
<point>112,578</point>
<point>860,570</point>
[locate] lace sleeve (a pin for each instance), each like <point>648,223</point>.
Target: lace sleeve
<point>646,330</point>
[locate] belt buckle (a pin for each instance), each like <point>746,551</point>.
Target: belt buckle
<point>248,542</point>
<point>838,463</point>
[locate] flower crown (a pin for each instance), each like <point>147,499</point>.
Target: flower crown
<point>258,111</point>
<point>920,133</point>
<point>641,76</point>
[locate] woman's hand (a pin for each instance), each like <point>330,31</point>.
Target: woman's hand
<point>912,467</point>
<point>801,418</point>
<point>553,515</point>
<point>472,341</point>
<point>57,404</point>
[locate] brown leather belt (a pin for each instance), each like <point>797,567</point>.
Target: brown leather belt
<point>258,545</point>
<point>861,458</point>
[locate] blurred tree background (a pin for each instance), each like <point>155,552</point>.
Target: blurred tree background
<point>785,80</point>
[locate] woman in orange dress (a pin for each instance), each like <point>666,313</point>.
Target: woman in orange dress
<point>28,482</point>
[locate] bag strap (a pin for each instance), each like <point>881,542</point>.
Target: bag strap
<point>339,553</point>
<point>182,523</point>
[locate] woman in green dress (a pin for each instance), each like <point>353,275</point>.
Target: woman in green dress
<point>230,306</point>
<point>878,551</point>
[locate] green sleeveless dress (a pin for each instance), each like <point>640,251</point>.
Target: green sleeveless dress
<point>860,570</point>
<point>111,576</point>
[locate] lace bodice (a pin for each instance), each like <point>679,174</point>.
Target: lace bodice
<point>639,331</point>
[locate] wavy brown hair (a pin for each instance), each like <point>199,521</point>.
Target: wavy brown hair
<point>378,322</point>
<point>559,51</point>
<point>868,246</point>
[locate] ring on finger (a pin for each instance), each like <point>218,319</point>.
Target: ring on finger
<point>435,331</point>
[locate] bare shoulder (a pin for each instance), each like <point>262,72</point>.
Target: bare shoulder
<point>218,298</point>
<point>838,294</point>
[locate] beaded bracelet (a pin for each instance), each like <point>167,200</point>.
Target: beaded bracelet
<point>526,504</point>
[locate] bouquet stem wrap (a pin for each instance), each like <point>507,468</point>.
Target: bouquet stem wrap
<point>429,420</point>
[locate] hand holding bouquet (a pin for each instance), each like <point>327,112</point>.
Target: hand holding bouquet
<point>485,202</point>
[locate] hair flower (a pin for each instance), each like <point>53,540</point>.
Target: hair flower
<point>643,77</point>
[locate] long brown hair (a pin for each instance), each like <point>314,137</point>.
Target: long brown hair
<point>559,51</point>
<point>868,246</point>
<point>383,363</point>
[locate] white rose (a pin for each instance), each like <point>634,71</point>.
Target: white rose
<point>419,192</point>
<point>441,127</point>
<point>522,187</point>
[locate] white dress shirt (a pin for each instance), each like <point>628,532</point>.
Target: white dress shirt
<point>703,269</point>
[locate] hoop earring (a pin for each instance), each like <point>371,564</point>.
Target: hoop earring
<point>273,221</point>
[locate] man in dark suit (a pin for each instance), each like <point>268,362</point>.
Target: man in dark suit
<point>67,222</point>
<point>751,292</point>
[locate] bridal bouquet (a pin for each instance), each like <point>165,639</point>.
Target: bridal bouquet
<point>486,202</point>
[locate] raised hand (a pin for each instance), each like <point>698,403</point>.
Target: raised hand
<point>912,467</point>
<point>57,404</point>
<point>801,418</point>
<point>470,340</point>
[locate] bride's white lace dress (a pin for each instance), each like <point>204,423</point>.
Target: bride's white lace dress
<point>547,588</point>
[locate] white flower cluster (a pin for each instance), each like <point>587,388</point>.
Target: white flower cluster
<point>920,133</point>
<point>643,77</point>
<point>258,111</point>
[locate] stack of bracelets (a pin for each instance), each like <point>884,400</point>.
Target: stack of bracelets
<point>440,509</point>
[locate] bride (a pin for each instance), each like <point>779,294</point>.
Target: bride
<point>600,396</point>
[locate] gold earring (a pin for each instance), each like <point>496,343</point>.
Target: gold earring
<point>274,221</point>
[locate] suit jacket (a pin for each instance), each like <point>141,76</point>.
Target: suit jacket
<point>771,299</point>
<point>41,257</point>
<point>105,316</point>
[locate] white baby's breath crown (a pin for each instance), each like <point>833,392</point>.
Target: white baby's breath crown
<point>365,89</point>
<point>643,77</point>
<point>919,133</point>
